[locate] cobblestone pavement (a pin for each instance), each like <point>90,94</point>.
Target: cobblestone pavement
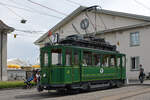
<point>137,92</point>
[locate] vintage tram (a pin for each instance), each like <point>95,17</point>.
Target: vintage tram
<point>76,63</point>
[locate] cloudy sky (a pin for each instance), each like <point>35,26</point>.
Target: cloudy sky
<point>42,19</point>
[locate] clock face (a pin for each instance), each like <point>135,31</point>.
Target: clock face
<point>84,24</point>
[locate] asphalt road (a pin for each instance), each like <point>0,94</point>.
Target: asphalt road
<point>137,92</point>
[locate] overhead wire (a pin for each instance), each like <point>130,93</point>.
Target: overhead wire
<point>88,16</point>
<point>31,11</point>
<point>53,16</point>
<point>74,2</point>
<point>25,31</point>
<point>15,7</point>
<point>143,5</point>
<point>102,19</point>
<point>54,10</point>
<point>95,20</point>
<point>70,1</point>
<point>21,4</point>
<point>36,11</point>
<point>11,10</point>
<point>85,12</point>
<point>22,35</point>
<point>28,31</point>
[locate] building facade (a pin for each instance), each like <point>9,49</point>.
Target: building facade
<point>129,32</point>
<point>4,30</point>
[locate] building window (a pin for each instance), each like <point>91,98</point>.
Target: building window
<point>135,63</point>
<point>134,39</point>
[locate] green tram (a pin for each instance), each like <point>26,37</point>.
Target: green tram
<point>74,67</point>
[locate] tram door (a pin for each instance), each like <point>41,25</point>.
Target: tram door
<point>123,58</point>
<point>45,55</point>
<point>119,66</point>
<point>76,66</point>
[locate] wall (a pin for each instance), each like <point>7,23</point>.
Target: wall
<point>109,20</point>
<point>102,20</point>
<point>142,50</point>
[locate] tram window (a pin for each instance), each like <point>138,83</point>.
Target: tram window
<point>123,61</point>
<point>76,58</point>
<point>118,62</point>
<point>105,62</point>
<point>45,59</point>
<point>112,60</point>
<point>68,57</point>
<point>56,57</point>
<point>87,58</point>
<point>96,60</point>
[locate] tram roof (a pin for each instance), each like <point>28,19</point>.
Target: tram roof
<point>84,48</point>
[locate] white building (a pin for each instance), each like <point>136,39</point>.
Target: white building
<point>129,32</point>
<point>4,29</point>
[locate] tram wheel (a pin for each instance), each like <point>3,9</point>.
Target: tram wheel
<point>86,87</point>
<point>118,84</point>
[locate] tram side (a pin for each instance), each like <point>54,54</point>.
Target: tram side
<point>71,67</point>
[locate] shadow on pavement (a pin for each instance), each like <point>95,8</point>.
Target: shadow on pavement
<point>44,95</point>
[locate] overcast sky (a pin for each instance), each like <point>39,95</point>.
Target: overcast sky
<point>39,19</point>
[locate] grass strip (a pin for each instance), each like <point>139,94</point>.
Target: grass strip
<point>11,84</point>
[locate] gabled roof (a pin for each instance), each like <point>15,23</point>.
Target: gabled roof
<point>7,29</point>
<point>64,21</point>
<point>81,8</point>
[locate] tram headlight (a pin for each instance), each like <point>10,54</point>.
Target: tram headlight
<point>44,75</point>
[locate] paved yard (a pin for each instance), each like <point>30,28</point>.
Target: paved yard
<point>137,92</point>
